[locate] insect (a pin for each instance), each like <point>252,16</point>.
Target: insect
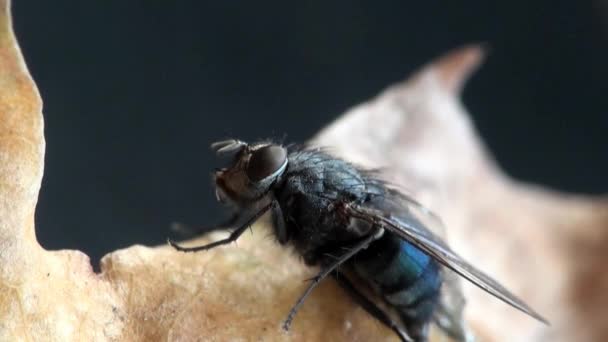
<point>350,224</point>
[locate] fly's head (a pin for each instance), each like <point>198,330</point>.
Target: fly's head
<point>253,170</point>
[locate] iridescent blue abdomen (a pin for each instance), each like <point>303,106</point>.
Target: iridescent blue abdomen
<point>407,279</point>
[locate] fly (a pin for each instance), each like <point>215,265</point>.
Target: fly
<point>354,227</point>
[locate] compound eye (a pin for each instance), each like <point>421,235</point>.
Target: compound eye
<point>266,161</point>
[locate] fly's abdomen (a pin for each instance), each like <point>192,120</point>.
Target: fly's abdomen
<point>408,279</point>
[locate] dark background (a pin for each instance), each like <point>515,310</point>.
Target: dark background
<point>134,91</point>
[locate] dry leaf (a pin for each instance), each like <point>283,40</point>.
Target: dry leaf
<point>546,246</point>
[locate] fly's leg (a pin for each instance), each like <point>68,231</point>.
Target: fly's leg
<point>186,230</point>
<point>231,238</point>
<point>419,330</point>
<point>370,307</point>
<point>329,269</point>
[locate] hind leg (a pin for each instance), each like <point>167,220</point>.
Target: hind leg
<point>419,331</point>
<point>370,307</point>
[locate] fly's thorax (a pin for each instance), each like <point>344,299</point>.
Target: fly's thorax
<point>252,173</point>
<point>321,241</point>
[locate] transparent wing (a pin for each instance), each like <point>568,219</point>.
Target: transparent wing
<point>408,209</point>
<point>404,223</point>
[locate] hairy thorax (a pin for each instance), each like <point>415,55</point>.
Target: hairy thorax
<point>308,196</point>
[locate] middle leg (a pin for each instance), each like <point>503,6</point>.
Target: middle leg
<point>329,269</point>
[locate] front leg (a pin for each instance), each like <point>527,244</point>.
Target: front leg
<point>188,231</point>
<point>231,238</point>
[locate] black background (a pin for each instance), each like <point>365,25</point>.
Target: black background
<point>134,91</point>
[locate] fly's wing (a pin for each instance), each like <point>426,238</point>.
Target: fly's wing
<point>409,228</point>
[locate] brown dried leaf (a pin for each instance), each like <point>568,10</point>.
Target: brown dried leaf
<point>244,292</point>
